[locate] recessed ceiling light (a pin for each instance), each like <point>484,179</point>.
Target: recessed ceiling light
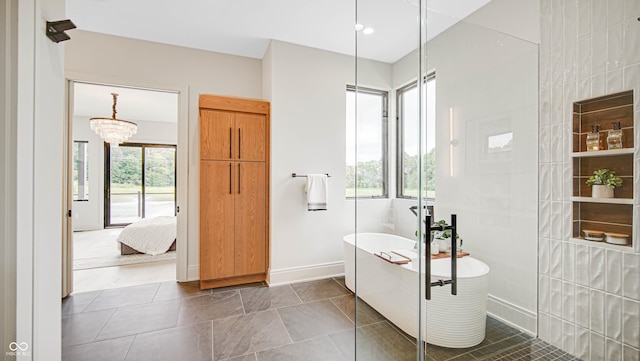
<point>359,27</point>
<point>367,31</point>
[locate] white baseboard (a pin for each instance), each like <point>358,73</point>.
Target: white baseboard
<point>306,273</point>
<point>193,273</point>
<point>289,275</point>
<point>513,315</point>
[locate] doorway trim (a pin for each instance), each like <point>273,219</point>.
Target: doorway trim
<point>182,195</point>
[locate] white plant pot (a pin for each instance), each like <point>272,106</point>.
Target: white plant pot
<point>601,191</point>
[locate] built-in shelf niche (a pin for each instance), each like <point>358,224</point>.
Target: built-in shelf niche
<point>607,215</point>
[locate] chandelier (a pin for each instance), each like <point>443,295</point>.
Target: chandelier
<point>113,131</point>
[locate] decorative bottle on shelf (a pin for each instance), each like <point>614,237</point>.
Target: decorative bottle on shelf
<point>614,139</point>
<point>593,139</point>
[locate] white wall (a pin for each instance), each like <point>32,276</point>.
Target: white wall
<point>308,107</point>
<point>8,79</point>
<point>32,184</point>
<point>133,62</point>
<point>89,215</point>
<point>589,292</point>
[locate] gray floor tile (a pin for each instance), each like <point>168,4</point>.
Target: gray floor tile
<point>310,320</point>
<point>249,357</point>
<point>496,330</point>
<point>109,350</point>
<point>178,290</point>
<point>122,297</point>
<point>445,353</point>
<point>193,343</point>
<point>366,314</point>
<point>341,282</point>
<point>317,349</point>
<point>257,299</point>
<point>83,327</point>
<point>499,346</point>
<point>318,290</point>
<point>376,342</point>
<point>140,319</point>
<point>210,307</point>
<point>78,302</point>
<point>241,335</point>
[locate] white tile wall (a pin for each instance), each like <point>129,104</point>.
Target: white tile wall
<point>555,299</point>
<point>631,276</point>
<point>614,317</point>
<point>614,272</point>
<point>568,337</point>
<point>597,267</point>
<point>582,343</point>
<point>568,302</point>
<point>589,295</point>
<point>555,331</point>
<point>596,345</point>
<point>582,315</point>
<point>568,262</point>
<point>597,311</point>
<point>613,350</point>
<point>630,325</point>
<point>630,354</point>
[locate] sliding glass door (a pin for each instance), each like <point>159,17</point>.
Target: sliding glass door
<point>140,182</point>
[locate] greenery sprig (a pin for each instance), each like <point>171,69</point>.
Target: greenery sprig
<point>605,177</point>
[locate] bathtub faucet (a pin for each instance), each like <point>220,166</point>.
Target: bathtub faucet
<point>414,210</point>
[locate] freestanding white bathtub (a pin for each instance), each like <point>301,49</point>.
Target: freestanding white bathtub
<point>451,321</point>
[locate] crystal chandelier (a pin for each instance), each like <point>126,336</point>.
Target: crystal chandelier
<point>113,131</point>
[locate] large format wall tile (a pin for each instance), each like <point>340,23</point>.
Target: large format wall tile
<point>631,275</point>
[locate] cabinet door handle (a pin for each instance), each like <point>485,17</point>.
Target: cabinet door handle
<point>230,140</point>
<point>239,144</point>
<point>238,178</point>
<point>230,170</point>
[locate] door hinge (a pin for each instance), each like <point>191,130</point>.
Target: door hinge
<point>177,209</point>
<point>69,213</point>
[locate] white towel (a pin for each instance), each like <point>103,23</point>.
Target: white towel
<point>317,191</point>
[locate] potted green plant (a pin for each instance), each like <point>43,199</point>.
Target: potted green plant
<point>445,236</point>
<point>603,182</point>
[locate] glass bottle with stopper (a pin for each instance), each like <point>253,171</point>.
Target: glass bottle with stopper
<point>593,139</point>
<point>614,138</point>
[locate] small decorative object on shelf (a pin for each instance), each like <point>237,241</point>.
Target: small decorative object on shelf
<point>614,139</point>
<point>593,139</point>
<point>603,182</point>
<point>617,238</point>
<point>592,235</point>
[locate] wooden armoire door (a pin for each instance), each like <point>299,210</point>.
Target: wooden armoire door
<point>250,218</point>
<point>217,220</point>
<point>217,132</point>
<point>251,134</point>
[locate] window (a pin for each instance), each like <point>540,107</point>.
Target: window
<point>140,182</point>
<point>367,154</point>
<point>80,171</point>
<point>407,115</point>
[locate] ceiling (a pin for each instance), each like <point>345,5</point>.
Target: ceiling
<point>94,100</point>
<point>244,28</point>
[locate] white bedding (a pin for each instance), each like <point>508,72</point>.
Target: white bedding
<point>151,235</point>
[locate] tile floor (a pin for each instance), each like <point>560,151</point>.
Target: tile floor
<point>299,322</point>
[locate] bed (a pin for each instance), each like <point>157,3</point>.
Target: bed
<point>152,236</point>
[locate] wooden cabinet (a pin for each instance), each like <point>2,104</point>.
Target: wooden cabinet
<point>614,215</point>
<point>234,191</point>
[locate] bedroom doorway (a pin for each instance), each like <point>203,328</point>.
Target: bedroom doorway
<point>138,191</point>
